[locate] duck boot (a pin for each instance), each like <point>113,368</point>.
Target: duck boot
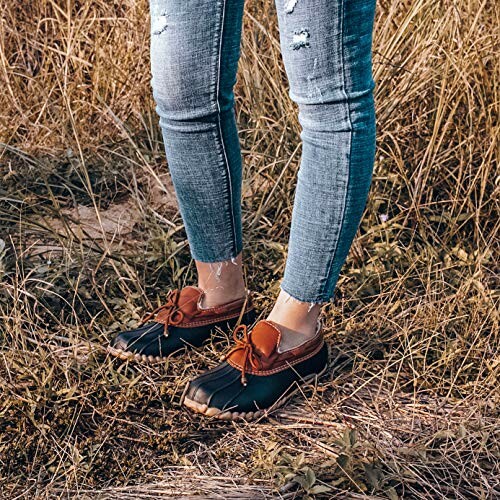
<point>255,376</point>
<point>181,322</point>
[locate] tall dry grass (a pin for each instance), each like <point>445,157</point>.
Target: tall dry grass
<point>91,238</point>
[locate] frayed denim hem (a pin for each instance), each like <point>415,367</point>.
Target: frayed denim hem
<point>311,300</point>
<point>219,259</point>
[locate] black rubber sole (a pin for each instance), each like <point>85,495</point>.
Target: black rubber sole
<point>221,414</point>
<point>225,325</point>
<point>249,416</point>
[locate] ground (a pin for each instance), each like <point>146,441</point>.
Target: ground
<point>91,239</point>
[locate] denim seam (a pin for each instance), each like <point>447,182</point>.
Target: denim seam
<point>344,82</point>
<point>220,134</point>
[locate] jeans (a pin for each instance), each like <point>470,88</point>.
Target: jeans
<point>326,49</point>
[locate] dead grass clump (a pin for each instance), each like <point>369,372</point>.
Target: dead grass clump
<point>410,407</point>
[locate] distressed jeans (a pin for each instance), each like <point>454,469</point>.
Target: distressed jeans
<point>326,47</point>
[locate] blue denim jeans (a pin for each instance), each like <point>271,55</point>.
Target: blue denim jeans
<point>326,49</point>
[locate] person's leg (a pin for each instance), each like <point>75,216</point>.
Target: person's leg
<point>326,47</point>
<point>195,47</point>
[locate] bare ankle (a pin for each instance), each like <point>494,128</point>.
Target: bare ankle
<point>222,282</point>
<point>297,320</point>
<point>213,297</point>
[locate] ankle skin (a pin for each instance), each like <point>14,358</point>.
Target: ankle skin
<point>297,320</point>
<point>222,282</point>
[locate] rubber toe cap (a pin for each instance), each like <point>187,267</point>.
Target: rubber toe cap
<point>119,342</point>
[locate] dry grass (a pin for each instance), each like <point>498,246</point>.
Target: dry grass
<point>410,408</point>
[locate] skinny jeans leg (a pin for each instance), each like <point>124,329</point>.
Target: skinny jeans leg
<point>195,48</point>
<point>326,48</point>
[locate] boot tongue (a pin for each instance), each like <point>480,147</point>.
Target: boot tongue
<point>188,299</point>
<point>265,337</point>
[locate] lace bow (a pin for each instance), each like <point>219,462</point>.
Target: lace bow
<point>246,345</point>
<point>173,315</point>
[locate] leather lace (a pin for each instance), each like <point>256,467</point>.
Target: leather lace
<point>245,344</point>
<point>174,315</point>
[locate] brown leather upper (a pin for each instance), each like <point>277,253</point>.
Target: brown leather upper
<point>257,352</point>
<point>182,309</point>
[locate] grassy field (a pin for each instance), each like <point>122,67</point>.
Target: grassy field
<point>91,239</point>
